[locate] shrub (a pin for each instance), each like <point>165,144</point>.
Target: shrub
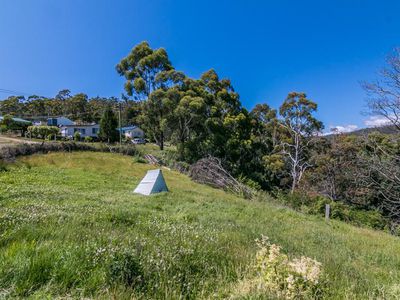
<point>77,136</point>
<point>9,124</point>
<point>3,167</point>
<point>42,131</point>
<point>88,139</point>
<point>138,159</point>
<point>51,137</point>
<point>292,279</point>
<point>277,274</point>
<point>250,183</point>
<point>315,205</point>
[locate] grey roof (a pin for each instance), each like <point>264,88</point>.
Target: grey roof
<point>17,120</point>
<point>128,128</point>
<point>80,125</point>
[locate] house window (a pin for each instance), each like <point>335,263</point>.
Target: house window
<point>80,130</point>
<point>94,130</point>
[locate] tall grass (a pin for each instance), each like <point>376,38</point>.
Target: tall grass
<point>71,227</point>
<point>12,151</point>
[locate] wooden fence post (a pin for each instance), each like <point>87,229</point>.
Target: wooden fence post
<point>327,211</point>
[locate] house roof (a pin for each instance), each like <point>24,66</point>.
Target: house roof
<point>80,125</point>
<point>17,120</point>
<point>128,128</point>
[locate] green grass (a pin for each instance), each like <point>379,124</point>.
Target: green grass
<point>154,149</point>
<point>70,227</point>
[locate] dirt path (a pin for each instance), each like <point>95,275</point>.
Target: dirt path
<point>6,141</point>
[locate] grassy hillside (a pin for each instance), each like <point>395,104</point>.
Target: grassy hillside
<point>71,227</point>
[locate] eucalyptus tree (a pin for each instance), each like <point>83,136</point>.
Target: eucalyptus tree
<point>142,68</point>
<point>157,114</point>
<point>300,126</point>
<point>266,164</point>
<point>13,105</point>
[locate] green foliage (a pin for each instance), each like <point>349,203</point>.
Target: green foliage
<point>143,68</point>
<point>297,112</point>
<point>108,126</point>
<point>157,113</point>
<point>77,136</point>
<point>88,139</point>
<point>42,132</point>
<point>78,107</point>
<point>3,166</point>
<point>50,137</point>
<point>11,106</point>
<point>339,210</point>
<point>8,124</point>
<point>139,159</point>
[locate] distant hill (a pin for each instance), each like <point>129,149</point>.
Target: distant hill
<point>388,129</point>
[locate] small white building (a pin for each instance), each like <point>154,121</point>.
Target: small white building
<point>132,132</point>
<point>85,130</point>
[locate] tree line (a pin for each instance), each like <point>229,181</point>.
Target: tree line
<point>78,107</point>
<point>270,149</point>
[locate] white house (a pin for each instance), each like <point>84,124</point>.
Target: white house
<point>59,121</point>
<point>85,130</point>
<point>132,132</point>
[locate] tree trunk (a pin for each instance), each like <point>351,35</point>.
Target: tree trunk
<point>162,140</point>
<point>293,185</point>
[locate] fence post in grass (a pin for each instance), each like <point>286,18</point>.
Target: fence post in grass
<point>327,211</point>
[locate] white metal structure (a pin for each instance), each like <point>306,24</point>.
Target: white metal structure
<point>152,183</point>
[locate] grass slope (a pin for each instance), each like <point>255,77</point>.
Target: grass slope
<point>71,227</point>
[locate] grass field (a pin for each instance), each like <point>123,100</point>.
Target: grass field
<point>70,227</point>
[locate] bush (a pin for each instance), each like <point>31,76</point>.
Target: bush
<point>138,159</point>
<point>285,278</point>
<point>51,137</point>
<point>8,124</point>
<point>340,211</point>
<point>3,167</point>
<point>250,183</point>
<point>3,128</point>
<point>77,136</point>
<point>88,139</point>
<point>42,131</point>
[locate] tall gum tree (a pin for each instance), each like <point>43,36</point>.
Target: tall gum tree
<point>142,69</point>
<point>300,126</point>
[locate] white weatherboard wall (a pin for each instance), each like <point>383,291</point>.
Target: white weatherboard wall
<point>152,183</point>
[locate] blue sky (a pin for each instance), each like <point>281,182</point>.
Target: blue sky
<point>267,48</point>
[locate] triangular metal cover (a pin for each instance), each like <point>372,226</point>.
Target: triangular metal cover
<point>152,183</point>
